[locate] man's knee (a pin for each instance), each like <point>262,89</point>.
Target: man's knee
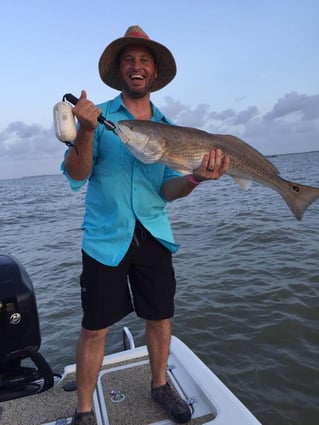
<point>93,336</point>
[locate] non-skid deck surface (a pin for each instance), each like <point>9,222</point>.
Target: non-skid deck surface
<point>137,409</point>
<point>40,408</point>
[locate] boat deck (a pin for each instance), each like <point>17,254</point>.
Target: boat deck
<point>122,396</point>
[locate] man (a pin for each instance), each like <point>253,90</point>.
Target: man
<point>127,236</point>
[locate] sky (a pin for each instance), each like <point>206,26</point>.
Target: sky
<point>244,67</point>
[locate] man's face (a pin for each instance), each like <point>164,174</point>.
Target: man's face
<point>138,70</point>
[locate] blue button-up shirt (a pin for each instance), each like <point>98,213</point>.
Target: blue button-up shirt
<point>120,190</point>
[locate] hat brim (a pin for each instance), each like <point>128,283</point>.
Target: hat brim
<point>108,63</point>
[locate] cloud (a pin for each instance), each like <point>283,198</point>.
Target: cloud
<point>175,110</point>
<point>22,141</point>
<point>246,115</point>
<point>29,149</point>
<point>292,125</point>
<point>294,103</point>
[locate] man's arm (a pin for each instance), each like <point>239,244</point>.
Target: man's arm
<point>214,166</point>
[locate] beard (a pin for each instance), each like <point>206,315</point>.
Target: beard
<point>137,92</point>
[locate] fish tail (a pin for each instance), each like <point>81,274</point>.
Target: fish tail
<point>298,197</point>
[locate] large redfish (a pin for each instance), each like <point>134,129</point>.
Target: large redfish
<point>183,148</point>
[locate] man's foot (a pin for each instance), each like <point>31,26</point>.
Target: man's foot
<point>84,418</point>
<point>177,409</point>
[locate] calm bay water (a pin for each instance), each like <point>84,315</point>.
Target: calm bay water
<point>248,296</point>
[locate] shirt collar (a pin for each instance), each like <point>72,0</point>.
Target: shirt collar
<point>117,104</point>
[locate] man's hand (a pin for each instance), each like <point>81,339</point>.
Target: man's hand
<point>86,113</point>
<point>214,165</point>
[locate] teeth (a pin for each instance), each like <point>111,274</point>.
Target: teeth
<point>136,77</point>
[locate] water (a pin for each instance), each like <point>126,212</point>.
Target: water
<point>248,296</point>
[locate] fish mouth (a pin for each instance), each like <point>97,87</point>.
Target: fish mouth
<point>121,134</point>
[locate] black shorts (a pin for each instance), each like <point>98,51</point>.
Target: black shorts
<point>143,282</point>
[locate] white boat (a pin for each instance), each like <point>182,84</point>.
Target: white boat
<point>122,395</point>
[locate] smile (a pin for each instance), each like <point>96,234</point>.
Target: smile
<point>136,77</point>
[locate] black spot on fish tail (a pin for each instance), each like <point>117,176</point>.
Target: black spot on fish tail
<point>298,196</point>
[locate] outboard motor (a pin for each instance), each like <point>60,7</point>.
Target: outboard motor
<point>19,335</point>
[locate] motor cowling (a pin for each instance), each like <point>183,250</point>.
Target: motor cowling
<point>19,334</point>
<point>19,323</point>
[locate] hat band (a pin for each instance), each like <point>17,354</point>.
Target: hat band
<point>138,35</point>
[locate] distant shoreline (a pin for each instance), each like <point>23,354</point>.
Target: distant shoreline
<point>58,174</point>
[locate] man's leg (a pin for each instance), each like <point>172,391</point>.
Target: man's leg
<point>90,353</point>
<point>158,336</point>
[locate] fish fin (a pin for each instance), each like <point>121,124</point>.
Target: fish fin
<point>144,157</point>
<point>298,197</point>
<point>178,163</point>
<point>240,146</point>
<point>243,183</point>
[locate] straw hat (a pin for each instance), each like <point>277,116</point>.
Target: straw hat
<point>108,63</point>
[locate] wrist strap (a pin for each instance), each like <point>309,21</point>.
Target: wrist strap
<point>192,179</point>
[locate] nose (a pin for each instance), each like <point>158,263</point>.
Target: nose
<point>136,63</point>
<point>136,66</point>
